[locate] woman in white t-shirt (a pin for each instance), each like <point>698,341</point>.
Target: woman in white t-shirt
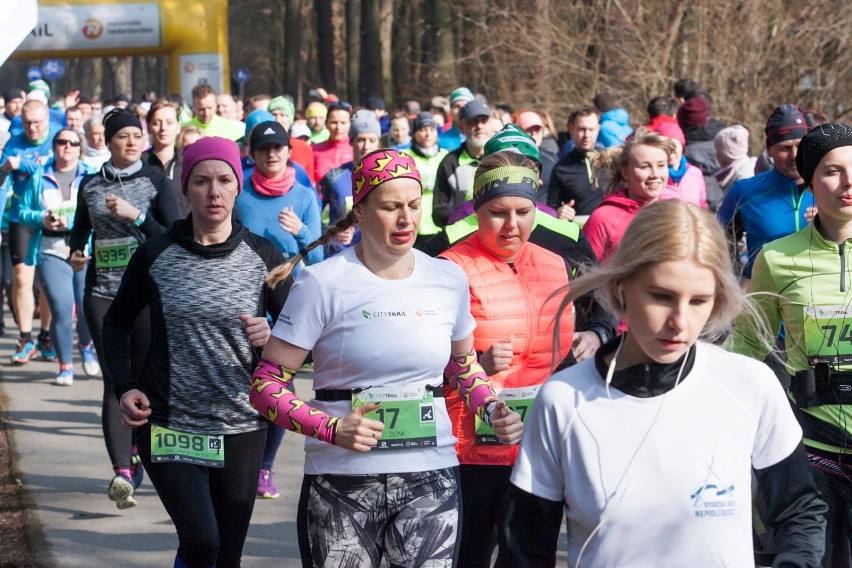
<point>386,325</point>
<point>649,447</point>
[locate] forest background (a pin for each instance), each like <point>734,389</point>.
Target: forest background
<point>546,55</point>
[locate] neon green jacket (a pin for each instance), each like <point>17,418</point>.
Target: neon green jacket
<point>810,286</point>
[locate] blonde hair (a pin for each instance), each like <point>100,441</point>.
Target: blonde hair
<point>665,231</point>
<point>612,160</point>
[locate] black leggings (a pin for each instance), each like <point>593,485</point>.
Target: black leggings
<point>483,492</point>
<point>210,507</point>
<point>118,438</point>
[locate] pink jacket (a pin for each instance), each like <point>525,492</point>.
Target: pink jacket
<point>690,188</point>
<point>607,223</point>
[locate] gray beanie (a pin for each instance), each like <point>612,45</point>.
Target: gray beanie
<point>364,122</point>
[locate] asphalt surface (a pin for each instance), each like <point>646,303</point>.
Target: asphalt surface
<point>57,436</point>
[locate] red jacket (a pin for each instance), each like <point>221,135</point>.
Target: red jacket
<point>509,299</point>
<point>607,223</point>
<point>329,155</point>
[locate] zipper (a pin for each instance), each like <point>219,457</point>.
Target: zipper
<point>842,267</point>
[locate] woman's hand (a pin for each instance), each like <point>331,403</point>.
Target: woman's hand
<point>289,221</point>
<point>257,329</point>
<point>566,211</point>
<point>354,432</point>
<point>79,261</point>
<point>121,208</point>
<point>498,357</point>
<point>345,237</point>
<point>135,409</point>
<point>586,344</point>
<point>51,222</point>
<point>507,424</point>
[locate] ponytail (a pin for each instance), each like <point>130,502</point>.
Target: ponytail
<point>280,273</point>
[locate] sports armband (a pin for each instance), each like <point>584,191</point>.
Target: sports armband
<point>272,395</point>
<point>467,377</point>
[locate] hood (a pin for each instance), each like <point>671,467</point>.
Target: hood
<point>621,200</point>
<point>703,133</point>
<point>618,115</point>
<point>181,233</point>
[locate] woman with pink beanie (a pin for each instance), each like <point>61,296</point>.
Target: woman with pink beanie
<point>686,182</point>
<point>732,153</point>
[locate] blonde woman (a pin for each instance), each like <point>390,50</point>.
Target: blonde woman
<point>649,447</point>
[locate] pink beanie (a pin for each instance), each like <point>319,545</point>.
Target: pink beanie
<point>211,148</point>
<point>732,142</point>
<point>671,130</point>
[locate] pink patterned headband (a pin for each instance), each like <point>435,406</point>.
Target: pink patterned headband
<point>378,167</point>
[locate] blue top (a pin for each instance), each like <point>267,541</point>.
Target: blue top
<point>615,127</point>
<point>55,117</point>
<point>337,193</point>
<point>41,189</point>
<point>33,156</point>
<point>767,206</point>
<point>259,214</point>
<point>451,139</point>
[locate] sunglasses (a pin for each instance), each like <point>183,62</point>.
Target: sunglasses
<point>73,143</point>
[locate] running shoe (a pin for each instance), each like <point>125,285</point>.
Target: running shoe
<point>121,491</point>
<point>65,377</point>
<point>265,487</point>
<point>137,473</point>
<point>90,360</point>
<point>45,345</point>
<point>24,352</point>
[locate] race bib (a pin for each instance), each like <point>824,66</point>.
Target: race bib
<point>65,209</point>
<point>828,335</point>
<point>169,445</point>
<point>114,253</point>
<point>408,414</point>
<point>518,399</point>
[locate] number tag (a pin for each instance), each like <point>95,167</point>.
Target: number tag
<point>65,209</point>
<point>408,414</point>
<point>828,334</point>
<point>518,399</point>
<point>169,445</point>
<point>114,253</point>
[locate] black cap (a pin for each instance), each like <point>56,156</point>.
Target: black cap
<point>12,94</point>
<point>424,119</point>
<point>474,109</point>
<point>268,133</point>
<point>817,143</point>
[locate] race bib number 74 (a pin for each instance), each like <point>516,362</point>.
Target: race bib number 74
<point>828,334</point>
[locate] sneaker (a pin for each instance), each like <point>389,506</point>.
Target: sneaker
<point>265,487</point>
<point>65,377</point>
<point>24,352</point>
<point>137,473</point>
<point>90,361</point>
<point>121,491</point>
<point>45,345</point>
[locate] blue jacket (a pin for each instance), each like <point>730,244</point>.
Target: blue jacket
<point>41,184</point>
<point>33,156</point>
<point>450,139</point>
<point>767,207</point>
<point>615,127</point>
<point>260,215</point>
<point>337,195</point>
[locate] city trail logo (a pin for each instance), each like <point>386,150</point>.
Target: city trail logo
<point>714,497</point>
<point>379,314</point>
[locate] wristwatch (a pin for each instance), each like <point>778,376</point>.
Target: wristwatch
<point>140,219</point>
<point>602,333</point>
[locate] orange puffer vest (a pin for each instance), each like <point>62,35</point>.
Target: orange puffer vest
<point>509,299</point>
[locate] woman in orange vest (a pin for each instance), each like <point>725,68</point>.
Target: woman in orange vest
<point>511,281</point>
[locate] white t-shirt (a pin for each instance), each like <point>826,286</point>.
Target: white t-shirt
<point>686,498</point>
<point>366,331</point>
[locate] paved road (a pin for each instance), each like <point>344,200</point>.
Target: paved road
<point>58,439</point>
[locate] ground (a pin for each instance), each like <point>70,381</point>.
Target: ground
<point>19,531</point>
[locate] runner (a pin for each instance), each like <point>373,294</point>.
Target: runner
<point>510,281</point>
<point>802,280</point>
<point>47,207</point>
<point>382,320</point>
<point>649,448</point>
<point>637,172</point>
<point>199,438</point>
<point>119,207</point>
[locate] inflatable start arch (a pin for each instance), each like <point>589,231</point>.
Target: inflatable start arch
<point>193,33</point>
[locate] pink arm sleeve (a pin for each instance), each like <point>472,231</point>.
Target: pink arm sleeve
<point>272,396</point>
<point>468,379</point>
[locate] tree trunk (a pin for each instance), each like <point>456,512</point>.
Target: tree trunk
<point>371,70</point>
<point>292,47</point>
<point>353,48</point>
<point>442,18</point>
<point>121,69</point>
<point>386,49</point>
<point>325,45</point>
